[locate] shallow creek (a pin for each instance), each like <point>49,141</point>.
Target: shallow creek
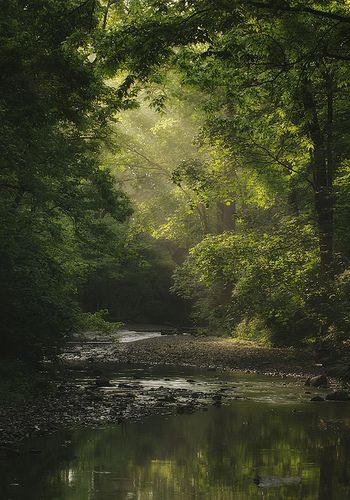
<point>264,440</point>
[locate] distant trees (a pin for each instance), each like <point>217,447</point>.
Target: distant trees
<point>275,79</point>
<point>278,73</point>
<point>142,150</point>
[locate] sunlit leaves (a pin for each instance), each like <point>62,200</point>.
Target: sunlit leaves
<point>269,276</point>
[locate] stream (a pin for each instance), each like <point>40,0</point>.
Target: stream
<point>262,439</point>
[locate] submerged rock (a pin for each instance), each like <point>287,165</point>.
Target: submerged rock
<point>317,398</point>
<point>217,403</point>
<point>35,451</point>
<point>92,396</point>
<point>8,452</point>
<point>217,397</point>
<point>97,373</point>
<point>338,396</point>
<point>103,382</point>
<point>166,399</point>
<point>197,395</point>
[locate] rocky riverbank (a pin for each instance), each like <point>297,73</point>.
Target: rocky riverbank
<point>87,392</point>
<point>203,352</point>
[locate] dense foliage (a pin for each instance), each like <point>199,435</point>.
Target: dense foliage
<point>274,80</point>
<point>54,196</point>
<point>226,123</point>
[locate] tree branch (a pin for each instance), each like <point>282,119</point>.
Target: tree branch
<point>300,10</point>
<point>275,158</point>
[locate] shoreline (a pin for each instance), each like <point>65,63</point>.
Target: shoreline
<point>69,404</point>
<point>200,352</point>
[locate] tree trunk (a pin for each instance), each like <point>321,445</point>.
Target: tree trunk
<point>293,201</point>
<point>105,17</point>
<point>322,172</point>
<point>225,217</point>
<point>203,217</point>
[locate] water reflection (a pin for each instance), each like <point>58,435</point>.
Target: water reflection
<point>214,455</point>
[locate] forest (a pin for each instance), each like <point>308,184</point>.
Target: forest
<point>175,249</point>
<point>183,162</point>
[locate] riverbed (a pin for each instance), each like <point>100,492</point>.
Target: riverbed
<point>164,429</point>
<point>247,436</point>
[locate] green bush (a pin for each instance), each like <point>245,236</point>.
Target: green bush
<point>97,323</point>
<point>243,282</point>
<point>253,330</point>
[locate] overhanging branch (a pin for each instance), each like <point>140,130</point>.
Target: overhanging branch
<point>301,10</point>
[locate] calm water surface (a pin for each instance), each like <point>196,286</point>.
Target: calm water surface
<point>293,448</point>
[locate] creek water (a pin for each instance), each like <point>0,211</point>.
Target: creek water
<point>274,444</point>
<point>125,336</point>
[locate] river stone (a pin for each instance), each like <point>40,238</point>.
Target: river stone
<point>103,382</point>
<point>166,399</point>
<point>217,403</point>
<point>338,396</point>
<point>318,381</point>
<point>197,395</point>
<point>124,385</point>
<point>317,398</point>
<point>217,397</point>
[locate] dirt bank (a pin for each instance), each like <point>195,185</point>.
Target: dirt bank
<point>203,352</point>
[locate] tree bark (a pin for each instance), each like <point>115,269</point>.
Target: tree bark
<point>322,172</point>
<point>105,17</point>
<point>203,217</point>
<point>225,217</point>
<point>293,200</point>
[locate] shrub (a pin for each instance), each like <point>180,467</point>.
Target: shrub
<point>243,282</point>
<point>253,330</point>
<point>96,322</point>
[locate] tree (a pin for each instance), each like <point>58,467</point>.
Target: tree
<point>54,196</point>
<point>284,63</point>
<point>275,79</point>
<point>255,284</point>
